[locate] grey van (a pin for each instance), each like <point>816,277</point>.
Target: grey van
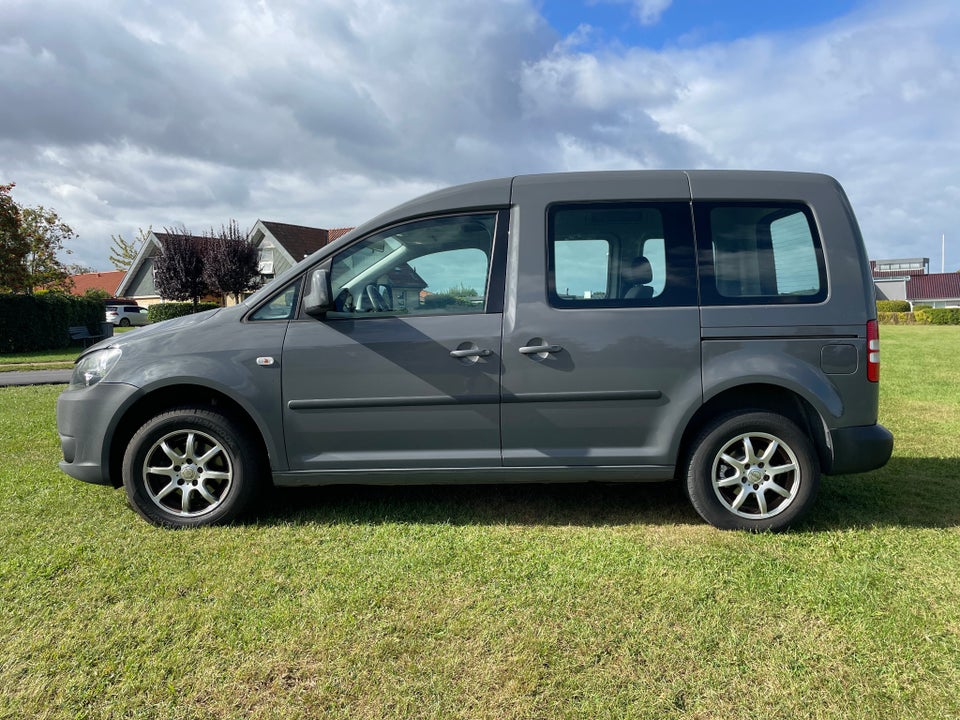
<point>718,327</point>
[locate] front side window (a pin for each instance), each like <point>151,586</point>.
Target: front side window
<point>435,266</point>
<point>620,255</point>
<point>281,306</point>
<point>759,254</point>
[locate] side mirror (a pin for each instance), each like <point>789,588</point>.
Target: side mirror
<point>317,300</point>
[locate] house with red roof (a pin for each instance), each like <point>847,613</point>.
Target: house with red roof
<point>939,290</point>
<point>105,281</point>
<point>910,279</point>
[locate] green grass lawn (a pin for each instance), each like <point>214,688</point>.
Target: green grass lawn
<point>61,359</point>
<point>50,360</point>
<point>493,602</point>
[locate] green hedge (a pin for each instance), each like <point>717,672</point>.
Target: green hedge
<point>927,316</point>
<point>898,318</point>
<point>939,316</point>
<point>893,306</point>
<point>170,310</point>
<point>41,321</point>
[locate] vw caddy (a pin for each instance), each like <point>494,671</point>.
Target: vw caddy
<point>718,327</point>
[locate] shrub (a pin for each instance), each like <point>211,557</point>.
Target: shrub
<point>170,310</point>
<point>893,306</point>
<point>940,316</point>
<point>41,321</point>
<point>440,301</point>
<point>922,307</point>
<point>898,318</point>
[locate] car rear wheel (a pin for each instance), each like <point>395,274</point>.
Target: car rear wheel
<point>752,471</point>
<point>191,466</point>
<point>124,322</point>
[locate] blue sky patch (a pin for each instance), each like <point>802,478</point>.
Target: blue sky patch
<point>689,23</point>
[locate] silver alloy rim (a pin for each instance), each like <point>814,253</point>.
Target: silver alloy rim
<point>188,473</point>
<point>756,475</point>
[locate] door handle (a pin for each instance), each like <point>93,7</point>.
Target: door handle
<point>471,352</point>
<point>539,349</point>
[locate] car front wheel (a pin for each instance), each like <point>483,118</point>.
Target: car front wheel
<point>191,466</point>
<point>752,471</point>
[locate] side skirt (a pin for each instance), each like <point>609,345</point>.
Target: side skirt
<point>474,476</point>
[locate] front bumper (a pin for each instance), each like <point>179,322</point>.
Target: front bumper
<point>859,449</point>
<point>87,420</point>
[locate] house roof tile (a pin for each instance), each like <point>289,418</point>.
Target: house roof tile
<point>299,240</point>
<point>935,286</point>
<point>161,236</point>
<point>106,281</point>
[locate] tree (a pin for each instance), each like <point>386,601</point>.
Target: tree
<point>14,247</point>
<point>96,293</point>
<point>46,234</point>
<point>123,252</point>
<point>178,269</point>
<point>232,263</point>
<point>30,240</point>
<point>79,269</point>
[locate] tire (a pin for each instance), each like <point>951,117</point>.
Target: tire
<point>191,466</point>
<point>124,322</point>
<point>754,471</point>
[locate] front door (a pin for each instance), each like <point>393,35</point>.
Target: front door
<point>601,360</point>
<point>405,373</point>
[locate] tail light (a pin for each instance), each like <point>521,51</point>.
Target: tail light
<point>873,351</point>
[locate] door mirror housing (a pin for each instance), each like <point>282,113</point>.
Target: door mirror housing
<point>318,301</point>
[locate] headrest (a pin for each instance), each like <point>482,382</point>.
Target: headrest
<point>640,271</point>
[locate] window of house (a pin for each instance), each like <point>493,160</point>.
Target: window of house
<point>759,254</point>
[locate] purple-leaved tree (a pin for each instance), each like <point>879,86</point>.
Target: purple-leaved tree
<point>178,269</point>
<point>232,263</point>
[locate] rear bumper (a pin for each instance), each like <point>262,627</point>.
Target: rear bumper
<point>859,449</point>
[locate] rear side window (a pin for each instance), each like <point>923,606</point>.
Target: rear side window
<point>759,254</point>
<point>620,254</point>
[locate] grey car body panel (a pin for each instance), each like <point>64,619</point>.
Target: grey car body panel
<point>611,396</point>
<point>760,344</point>
<point>380,400</point>
<point>207,350</point>
<point>400,401</point>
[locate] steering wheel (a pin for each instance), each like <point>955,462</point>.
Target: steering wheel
<point>374,298</point>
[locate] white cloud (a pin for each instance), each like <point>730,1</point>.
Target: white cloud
<point>646,12</point>
<point>649,11</point>
<point>870,99</point>
<point>123,114</point>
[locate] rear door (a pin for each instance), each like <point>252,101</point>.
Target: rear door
<point>601,359</point>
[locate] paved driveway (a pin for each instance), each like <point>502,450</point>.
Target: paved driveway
<point>35,377</point>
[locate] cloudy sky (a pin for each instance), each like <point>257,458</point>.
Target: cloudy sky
<point>123,114</point>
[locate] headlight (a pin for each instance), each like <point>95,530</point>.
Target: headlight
<point>93,368</point>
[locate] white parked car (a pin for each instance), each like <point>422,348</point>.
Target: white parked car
<point>126,315</point>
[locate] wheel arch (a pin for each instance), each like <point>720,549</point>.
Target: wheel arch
<point>759,396</point>
<point>166,398</point>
